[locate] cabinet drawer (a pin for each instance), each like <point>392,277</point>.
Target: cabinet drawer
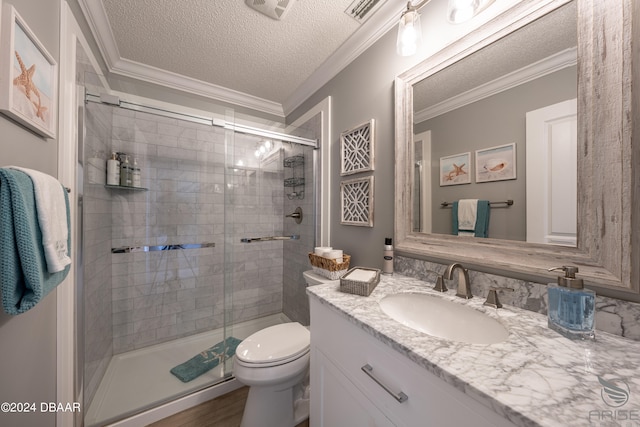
<point>429,398</point>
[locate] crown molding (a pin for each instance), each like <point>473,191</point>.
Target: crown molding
<point>370,31</point>
<point>553,63</point>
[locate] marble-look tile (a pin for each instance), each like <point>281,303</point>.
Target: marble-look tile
<point>536,377</point>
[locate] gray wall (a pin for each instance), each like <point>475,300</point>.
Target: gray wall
<point>496,120</point>
<point>28,349</point>
<point>362,91</point>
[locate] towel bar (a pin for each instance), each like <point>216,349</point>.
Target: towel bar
<point>505,202</point>
<point>129,249</point>
<point>269,238</point>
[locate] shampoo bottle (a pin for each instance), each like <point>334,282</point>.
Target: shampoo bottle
<point>126,175</point>
<point>387,266</point>
<point>136,173</point>
<point>571,307</point>
<point>113,170</point>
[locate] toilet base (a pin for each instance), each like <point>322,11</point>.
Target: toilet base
<point>259,409</point>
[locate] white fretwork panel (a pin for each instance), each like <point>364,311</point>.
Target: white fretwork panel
<point>357,202</point>
<point>357,149</point>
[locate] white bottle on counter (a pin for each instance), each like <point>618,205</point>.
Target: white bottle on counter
<point>387,266</point>
<point>113,170</point>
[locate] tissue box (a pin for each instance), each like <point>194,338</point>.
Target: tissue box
<point>329,268</point>
<point>354,285</point>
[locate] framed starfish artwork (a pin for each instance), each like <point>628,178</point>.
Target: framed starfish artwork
<point>28,76</point>
<point>455,169</point>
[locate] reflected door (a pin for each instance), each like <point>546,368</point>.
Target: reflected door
<point>552,174</point>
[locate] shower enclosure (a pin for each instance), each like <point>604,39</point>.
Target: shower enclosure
<point>186,260</point>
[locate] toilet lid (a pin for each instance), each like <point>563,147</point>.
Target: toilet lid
<point>275,343</point>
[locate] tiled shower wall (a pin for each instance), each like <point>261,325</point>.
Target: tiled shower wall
<point>254,205</point>
<point>96,284</point>
<point>163,295</point>
<point>296,260</point>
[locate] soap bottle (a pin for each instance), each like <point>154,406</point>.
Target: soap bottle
<point>387,266</point>
<point>113,170</point>
<point>571,307</point>
<point>126,175</point>
<point>136,173</point>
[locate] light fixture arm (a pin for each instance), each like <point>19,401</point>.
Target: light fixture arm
<point>411,6</point>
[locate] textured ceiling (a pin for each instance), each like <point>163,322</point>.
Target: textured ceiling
<point>553,33</point>
<point>228,44</point>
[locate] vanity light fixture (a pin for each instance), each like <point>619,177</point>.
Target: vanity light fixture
<point>410,33</point>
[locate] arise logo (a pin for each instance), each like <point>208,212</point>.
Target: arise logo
<point>615,392</point>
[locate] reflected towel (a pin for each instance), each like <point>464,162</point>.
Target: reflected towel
<point>52,215</point>
<point>24,277</point>
<point>206,360</point>
<point>481,226</point>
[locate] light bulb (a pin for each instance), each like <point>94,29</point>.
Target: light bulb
<point>462,10</point>
<point>409,33</point>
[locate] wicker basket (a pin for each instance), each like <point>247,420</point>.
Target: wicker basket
<point>359,287</point>
<point>329,268</point>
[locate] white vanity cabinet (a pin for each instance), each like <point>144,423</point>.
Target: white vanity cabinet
<point>343,394</point>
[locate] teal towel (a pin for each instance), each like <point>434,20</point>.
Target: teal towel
<point>206,360</point>
<point>24,279</point>
<point>482,219</point>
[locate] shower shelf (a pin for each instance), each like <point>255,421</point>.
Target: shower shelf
<point>296,164</point>
<point>293,161</point>
<point>122,187</point>
<point>293,182</point>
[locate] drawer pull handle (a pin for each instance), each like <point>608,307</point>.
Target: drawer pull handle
<point>400,397</point>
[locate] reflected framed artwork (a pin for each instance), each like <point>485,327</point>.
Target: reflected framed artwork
<point>28,76</point>
<point>455,169</point>
<point>496,163</point>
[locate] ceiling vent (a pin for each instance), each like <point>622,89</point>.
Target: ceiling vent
<point>361,10</point>
<point>276,9</point>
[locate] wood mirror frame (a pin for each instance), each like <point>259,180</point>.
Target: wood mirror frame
<point>608,167</point>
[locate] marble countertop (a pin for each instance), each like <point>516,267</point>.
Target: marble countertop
<point>534,378</point>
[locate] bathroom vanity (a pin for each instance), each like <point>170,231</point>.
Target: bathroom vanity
<point>368,369</point>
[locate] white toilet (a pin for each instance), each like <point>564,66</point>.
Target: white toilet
<point>272,362</point>
<point>312,278</point>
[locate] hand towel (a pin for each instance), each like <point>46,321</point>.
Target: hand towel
<point>24,278</point>
<point>461,221</point>
<point>467,210</point>
<point>52,218</point>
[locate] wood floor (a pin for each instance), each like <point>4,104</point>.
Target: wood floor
<point>223,411</point>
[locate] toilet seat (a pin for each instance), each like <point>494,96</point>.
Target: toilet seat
<point>275,345</point>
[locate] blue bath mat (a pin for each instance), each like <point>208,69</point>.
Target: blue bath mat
<point>206,360</point>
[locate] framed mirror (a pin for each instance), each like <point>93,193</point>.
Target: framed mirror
<point>597,209</point>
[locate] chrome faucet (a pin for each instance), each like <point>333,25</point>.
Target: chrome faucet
<point>464,287</point>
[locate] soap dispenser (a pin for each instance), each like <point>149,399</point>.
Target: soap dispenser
<point>571,307</point>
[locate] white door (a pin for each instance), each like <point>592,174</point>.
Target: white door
<point>422,183</point>
<point>552,174</point>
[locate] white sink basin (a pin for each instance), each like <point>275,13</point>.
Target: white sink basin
<point>444,319</point>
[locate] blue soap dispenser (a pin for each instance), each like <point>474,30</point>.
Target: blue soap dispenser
<point>571,306</point>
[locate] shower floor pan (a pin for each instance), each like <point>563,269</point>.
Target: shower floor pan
<point>140,379</point>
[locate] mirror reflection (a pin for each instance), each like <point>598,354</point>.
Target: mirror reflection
<point>500,127</point>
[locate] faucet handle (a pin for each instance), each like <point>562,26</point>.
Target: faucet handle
<point>439,286</point>
<point>492,298</point>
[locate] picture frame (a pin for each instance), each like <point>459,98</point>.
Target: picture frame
<point>455,169</point>
<point>356,202</point>
<point>28,76</point>
<point>496,163</point>
<point>357,149</point>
